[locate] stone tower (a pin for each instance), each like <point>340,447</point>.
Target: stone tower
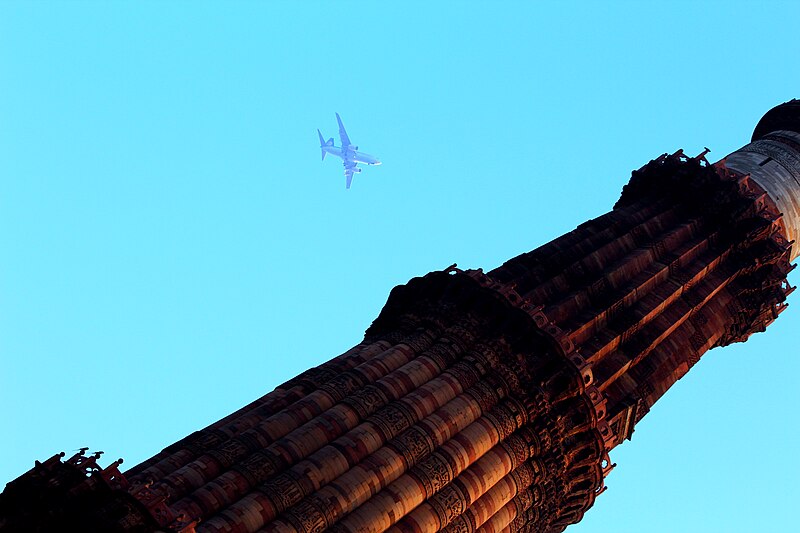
<point>479,401</point>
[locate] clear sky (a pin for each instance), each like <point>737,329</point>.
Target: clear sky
<point>172,247</point>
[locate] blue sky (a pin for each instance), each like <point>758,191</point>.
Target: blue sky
<point>171,246</point>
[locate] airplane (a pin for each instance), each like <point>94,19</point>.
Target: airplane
<point>349,153</point>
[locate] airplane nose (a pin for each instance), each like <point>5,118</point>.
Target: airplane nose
<point>377,163</point>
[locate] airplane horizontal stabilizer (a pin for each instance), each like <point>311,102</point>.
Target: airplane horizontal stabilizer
<point>322,143</point>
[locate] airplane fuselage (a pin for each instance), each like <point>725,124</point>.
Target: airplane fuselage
<point>351,155</point>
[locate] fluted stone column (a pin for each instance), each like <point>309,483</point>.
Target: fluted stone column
<point>490,401</point>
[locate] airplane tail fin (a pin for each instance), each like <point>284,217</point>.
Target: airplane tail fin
<point>323,143</point>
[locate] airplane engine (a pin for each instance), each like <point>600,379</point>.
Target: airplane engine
<point>357,170</point>
<point>354,147</point>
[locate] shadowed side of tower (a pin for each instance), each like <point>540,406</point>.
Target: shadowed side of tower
<point>484,401</point>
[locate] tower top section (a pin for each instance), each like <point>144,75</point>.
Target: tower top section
<point>772,160</point>
<point>782,117</point>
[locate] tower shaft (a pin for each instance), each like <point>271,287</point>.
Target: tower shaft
<point>491,401</point>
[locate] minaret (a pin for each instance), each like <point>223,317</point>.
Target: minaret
<point>480,401</point>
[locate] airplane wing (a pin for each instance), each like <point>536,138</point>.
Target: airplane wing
<point>342,133</point>
<point>349,170</point>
